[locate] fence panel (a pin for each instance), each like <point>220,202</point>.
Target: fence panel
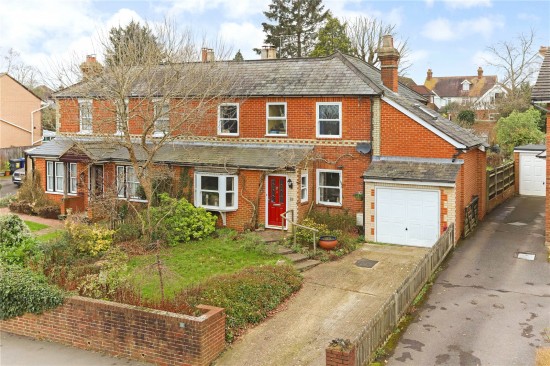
<point>499,179</point>
<point>379,328</point>
<point>12,153</point>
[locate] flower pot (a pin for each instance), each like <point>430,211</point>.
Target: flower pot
<point>8,173</point>
<point>328,242</point>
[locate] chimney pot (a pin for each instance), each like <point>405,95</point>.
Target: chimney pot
<point>479,72</point>
<point>268,52</point>
<point>429,74</point>
<point>389,59</point>
<point>210,55</point>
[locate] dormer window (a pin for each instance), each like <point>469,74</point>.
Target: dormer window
<point>465,85</point>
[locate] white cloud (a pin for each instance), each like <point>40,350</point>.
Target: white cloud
<point>429,3</point>
<point>231,9</point>
<point>481,58</point>
<point>442,29</point>
<point>466,4</point>
<point>244,36</point>
<point>418,55</point>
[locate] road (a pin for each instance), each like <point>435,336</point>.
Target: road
<point>7,186</point>
<point>488,307</point>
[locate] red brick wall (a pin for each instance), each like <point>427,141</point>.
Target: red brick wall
<point>133,332</point>
<point>301,117</point>
<point>337,357</point>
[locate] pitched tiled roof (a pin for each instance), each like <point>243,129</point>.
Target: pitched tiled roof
<point>451,86</point>
<point>413,170</point>
<point>252,156</point>
<point>541,90</point>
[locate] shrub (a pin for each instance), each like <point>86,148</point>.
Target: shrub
<point>22,291</point>
<point>467,117</point>
<point>247,296</point>
<point>179,221</point>
<point>305,236</point>
<point>31,199</point>
<point>90,239</point>
<point>110,277</point>
<point>6,200</point>
<point>335,221</point>
<point>48,212</point>
<point>16,241</point>
<point>519,129</point>
<point>21,206</point>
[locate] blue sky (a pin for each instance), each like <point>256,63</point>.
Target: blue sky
<point>449,36</point>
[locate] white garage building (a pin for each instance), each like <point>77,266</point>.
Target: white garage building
<point>532,169</point>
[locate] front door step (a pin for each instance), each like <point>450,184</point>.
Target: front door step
<point>305,265</point>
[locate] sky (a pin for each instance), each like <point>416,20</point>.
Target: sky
<point>448,36</point>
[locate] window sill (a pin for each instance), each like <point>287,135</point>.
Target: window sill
<point>228,134</point>
<point>119,133</point>
<point>276,135</point>
<point>84,132</point>
<point>158,134</point>
<point>62,193</point>
<point>328,137</point>
<point>331,204</point>
<point>217,209</point>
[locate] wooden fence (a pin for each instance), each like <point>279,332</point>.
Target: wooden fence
<point>471,216</point>
<point>499,179</point>
<point>12,153</point>
<point>386,319</point>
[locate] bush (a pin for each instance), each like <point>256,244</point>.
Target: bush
<point>180,222</point>
<point>467,117</point>
<point>16,241</point>
<point>305,236</point>
<point>21,206</point>
<point>519,129</point>
<point>22,291</point>
<point>32,200</point>
<point>110,277</point>
<point>89,239</point>
<point>48,212</point>
<point>334,221</point>
<point>6,200</point>
<point>247,296</point>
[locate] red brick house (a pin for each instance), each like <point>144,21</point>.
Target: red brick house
<point>330,133</point>
<point>541,95</point>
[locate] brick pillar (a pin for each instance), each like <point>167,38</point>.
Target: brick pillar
<point>340,353</point>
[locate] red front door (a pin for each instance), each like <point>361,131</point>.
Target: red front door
<point>276,200</point>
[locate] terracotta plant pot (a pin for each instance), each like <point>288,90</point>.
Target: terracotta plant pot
<point>328,242</point>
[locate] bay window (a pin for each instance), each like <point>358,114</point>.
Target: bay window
<point>60,175</point>
<point>216,192</point>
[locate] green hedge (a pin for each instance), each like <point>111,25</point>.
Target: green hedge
<point>247,296</point>
<point>23,291</point>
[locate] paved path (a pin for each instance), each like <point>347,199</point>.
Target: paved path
<point>336,301</point>
<point>52,223</point>
<point>21,351</point>
<point>487,307</point>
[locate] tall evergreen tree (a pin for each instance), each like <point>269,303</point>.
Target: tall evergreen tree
<point>238,56</point>
<point>294,26</point>
<point>332,38</point>
<point>131,45</point>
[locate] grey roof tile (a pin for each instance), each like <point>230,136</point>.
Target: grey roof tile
<point>541,90</point>
<point>419,171</point>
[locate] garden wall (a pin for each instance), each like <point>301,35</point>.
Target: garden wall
<point>128,331</point>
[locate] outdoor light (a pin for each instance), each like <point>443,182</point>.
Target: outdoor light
<point>289,181</point>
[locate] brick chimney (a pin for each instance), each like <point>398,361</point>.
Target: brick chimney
<point>479,72</point>
<point>389,57</point>
<point>207,54</point>
<point>90,68</point>
<point>429,74</point>
<point>269,52</point>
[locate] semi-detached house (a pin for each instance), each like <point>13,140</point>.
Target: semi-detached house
<point>332,133</point>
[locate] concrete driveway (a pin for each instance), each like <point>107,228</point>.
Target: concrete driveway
<point>7,186</point>
<point>336,301</point>
<point>488,307</point>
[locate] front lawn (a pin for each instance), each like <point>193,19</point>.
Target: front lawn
<point>35,226</point>
<point>50,236</point>
<point>194,262</point>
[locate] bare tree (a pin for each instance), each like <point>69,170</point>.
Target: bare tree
<point>15,67</point>
<point>514,61</point>
<point>141,107</point>
<point>366,37</point>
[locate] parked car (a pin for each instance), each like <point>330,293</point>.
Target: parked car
<point>18,176</point>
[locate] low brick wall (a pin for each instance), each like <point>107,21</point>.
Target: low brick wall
<point>337,357</point>
<point>128,331</point>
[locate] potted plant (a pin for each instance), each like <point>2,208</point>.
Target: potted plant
<point>6,168</point>
<point>328,242</point>
<point>359,196</point>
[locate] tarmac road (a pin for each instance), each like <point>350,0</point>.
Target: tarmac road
<point>488,307</point>
<point>7,186</point>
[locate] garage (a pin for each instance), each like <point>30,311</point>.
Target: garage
<point>407,216</point>
<point>532,169</point>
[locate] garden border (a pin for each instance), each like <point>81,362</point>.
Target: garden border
<point>134,332</point>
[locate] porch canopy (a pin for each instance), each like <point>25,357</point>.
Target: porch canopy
<point>196,154</point>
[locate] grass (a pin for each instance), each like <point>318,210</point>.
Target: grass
<point>35,226</point>
<point>194,262</point>
<point>50,236</point>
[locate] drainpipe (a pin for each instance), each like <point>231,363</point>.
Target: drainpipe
<point>32,122</point>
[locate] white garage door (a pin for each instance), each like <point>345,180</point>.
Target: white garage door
<point>407,217</point>
<point>532,174</point>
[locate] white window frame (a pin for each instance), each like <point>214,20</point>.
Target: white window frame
<point>318,198</point>
<point>82,102</point>
<point>161,117</point>
<point>50,176</point>
<point>220,132</point>
<point>123,185</point>
<point>73,183</point>
<point>284,119</point>
<point>318,126</point>
<point>304,188</point>
<point>59,173</point>
<point>222,191</point>
<point>465,85</point>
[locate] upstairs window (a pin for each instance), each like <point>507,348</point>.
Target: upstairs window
<point>276,118</point>
<point>228,119</point>
<point>329,120</point>
<point>216,192</point>
<point>85,112</point>
<point>162,118</point>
